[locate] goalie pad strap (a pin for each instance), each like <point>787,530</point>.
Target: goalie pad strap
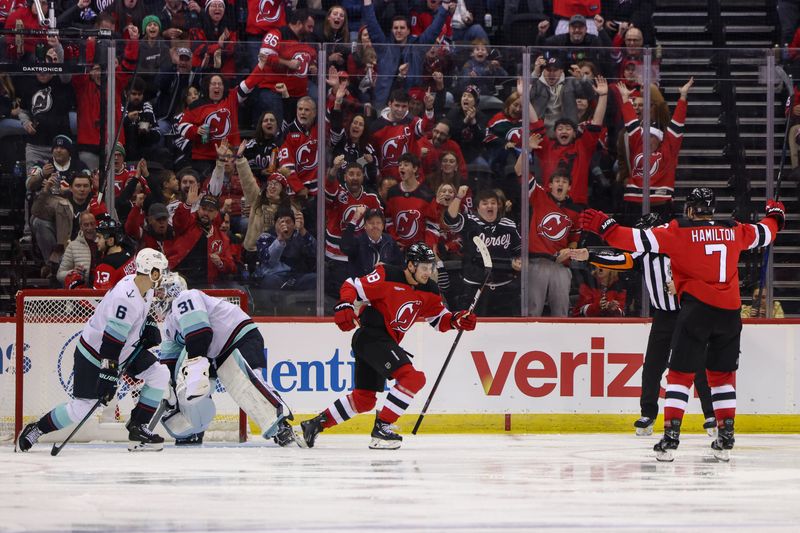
<point>256,398</point>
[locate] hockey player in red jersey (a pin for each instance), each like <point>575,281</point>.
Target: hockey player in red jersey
<point>704,254</point>
<point>395,298</point>
<point>115,262</point>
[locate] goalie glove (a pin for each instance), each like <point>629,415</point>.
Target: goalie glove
<point>107,379</point>
<point>345,316</point>
<point>777,211</point>
<point>597,222</point>
<point>463,320</point>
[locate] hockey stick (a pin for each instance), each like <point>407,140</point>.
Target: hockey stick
<point>762,276</point>
<point>487,266</point>
<point>123,367</point>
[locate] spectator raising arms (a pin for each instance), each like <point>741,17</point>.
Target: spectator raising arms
<point>410,212</point>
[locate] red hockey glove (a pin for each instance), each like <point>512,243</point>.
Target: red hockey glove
<point>345,316</point>
<point>596,222</point>
<point>778,212</point>
<point>73,280</point>
<point>463,320</point>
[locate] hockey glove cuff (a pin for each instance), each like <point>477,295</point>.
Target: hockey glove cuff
<point>151,335</point>
<point>597,222</point>
<point>107,379</point>
<point>463,320</point>
<point>777,211</point>
<point>345,316</point>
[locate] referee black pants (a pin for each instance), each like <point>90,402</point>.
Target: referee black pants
<point>655,362</point>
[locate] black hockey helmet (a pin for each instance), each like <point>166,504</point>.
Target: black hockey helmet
<point>701,200</point>
<point>110,228</point>
<point>650,220</point>
<point>419,252</point>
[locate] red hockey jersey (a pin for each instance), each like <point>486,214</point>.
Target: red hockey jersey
<point>704,254</point>
<point>264,15</point>
<point>567,8</point>
<point>393,303</point>
<point>340,208</point>
<point>663,161</point>
<point>113,268</point>
<point>553,225</point>
<point>282,43</point>
<point>298,153</point>
<point>412,216</point>
<point>393,139</point>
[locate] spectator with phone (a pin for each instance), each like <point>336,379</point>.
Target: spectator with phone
<point>287,254</point>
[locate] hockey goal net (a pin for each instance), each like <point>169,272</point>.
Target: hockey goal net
<point>48,326</point>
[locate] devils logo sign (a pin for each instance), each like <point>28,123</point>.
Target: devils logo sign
<point>268,12</point>
<point>554,226</point>
<point>219,123</point>
<point>407,223</point>
<point>405,316</point>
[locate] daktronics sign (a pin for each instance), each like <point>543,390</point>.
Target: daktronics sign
<point>537,373</point>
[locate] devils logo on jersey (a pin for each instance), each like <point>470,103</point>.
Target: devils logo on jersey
<point>305,60</point>
<point>306,156</point>
<point>216,247</point>
<point>638,164</point>
<point>42,101</point>
<point>393,148</point>
<point>554,226</point>
<point>514,135</point>
<point>349,215</point>
<point>268,12</point>
<point>405,316</point>
<point>219,123</point>
<point>407,223</point>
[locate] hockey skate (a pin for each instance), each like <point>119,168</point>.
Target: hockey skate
<point>644,426</point>
<point>384,436</point>
<point>28,437</point>
<point>710,425</point>
<point>723,444</point>
<point>191,440</point>
<point>669,442</point>
<point>306,433</point>
<point>285,435</point>
<point>142,439</point>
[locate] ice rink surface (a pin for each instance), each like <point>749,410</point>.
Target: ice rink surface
<point>576,482</point>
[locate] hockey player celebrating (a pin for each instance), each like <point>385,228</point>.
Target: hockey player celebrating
<point>395,298</point>
<point>106,342</point>
<point>704,254</point>
<point>204,334</point>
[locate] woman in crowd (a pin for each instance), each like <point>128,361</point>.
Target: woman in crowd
<point>262,150</point>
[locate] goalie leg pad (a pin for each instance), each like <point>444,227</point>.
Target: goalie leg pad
<point>191,418</point>
<point>192,382</point>
<point>260,401</point>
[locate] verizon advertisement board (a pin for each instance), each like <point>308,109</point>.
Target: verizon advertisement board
<point>516,367</point>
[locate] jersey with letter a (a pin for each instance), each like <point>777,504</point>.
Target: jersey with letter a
<point>118,320</point>
<point>194,313</point>
<point>394,304</point>
<point>704,253</point>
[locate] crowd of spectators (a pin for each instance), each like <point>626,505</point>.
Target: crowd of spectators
<point>217,156</point>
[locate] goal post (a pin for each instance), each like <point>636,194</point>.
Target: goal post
<point>48,326</point>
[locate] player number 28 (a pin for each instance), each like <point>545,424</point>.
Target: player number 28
<point>722,250</point>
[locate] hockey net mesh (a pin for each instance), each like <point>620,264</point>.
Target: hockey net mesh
<point>51,324</point>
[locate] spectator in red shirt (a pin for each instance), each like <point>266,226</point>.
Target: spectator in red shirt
<point>602,294</point>
<point>152,233</point>
<point>216,37</point>
<point>431,150</point>
<point>26,17</point>
<point>411,215</point>
<point>298,154</point>
<point>395,133</point>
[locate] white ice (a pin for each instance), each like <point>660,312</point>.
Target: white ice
<point>607,482</point>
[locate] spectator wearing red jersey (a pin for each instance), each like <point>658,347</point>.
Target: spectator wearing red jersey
<point>200,252</point>
<point>151,231</point>
<point>114,262</point>
<point>298,154</point>
<point>288,61</point>
<point>410,211</point>
<point>226,185</point>
<point>422,18</point>
<point>395,133</point>
<point>7,7</point>
<point>589,10</point>
<point>431,150</point>
<point>554,226</point>
<point>262,17</point>
<point>27,17</point>
<point>216,37</point>
<point>571,151</point>
<point>664,150</point>
<point>216,117</point>
<point>602,294</point>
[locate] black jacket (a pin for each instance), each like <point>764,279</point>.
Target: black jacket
<point>363,254</point>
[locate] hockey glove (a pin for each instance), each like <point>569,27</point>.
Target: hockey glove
<point>107,380</point>
<point>597,222</point>
<point>345,316</point>
<point>151,335</point>
<point>463,320</point>
<point>778,212</point>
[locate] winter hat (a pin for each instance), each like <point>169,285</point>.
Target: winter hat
<point>119,148</point>
<point>474,91</point>
<point>208,4</point>
<point>148,19</point>
<point>62,141</point>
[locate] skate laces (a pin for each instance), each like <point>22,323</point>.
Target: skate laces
<point>387,427</point>
<point>33,435</point>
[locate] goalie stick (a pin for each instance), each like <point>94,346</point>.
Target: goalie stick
<point>487,267</point>
<point>122,368</point>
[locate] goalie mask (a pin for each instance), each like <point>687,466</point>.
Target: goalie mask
<point>171,286</point>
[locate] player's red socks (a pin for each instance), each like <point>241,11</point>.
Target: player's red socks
<point>723,394</point>
<point>408,382</point>
<point>345,408</point>
<point>677,397</point>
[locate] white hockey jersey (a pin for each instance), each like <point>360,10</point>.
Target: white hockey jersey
<point>194,313</point>
<point>118,320</point>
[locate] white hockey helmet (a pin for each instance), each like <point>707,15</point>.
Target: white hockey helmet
<point>148,260</point>
<point>172,284</point>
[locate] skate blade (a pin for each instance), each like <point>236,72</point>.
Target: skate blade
<point>145,446</point>
<point>298,437</point>
<point>380,444</point>
<point>665,457</point>
<point>721,455</point>
<point>644,432</point>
